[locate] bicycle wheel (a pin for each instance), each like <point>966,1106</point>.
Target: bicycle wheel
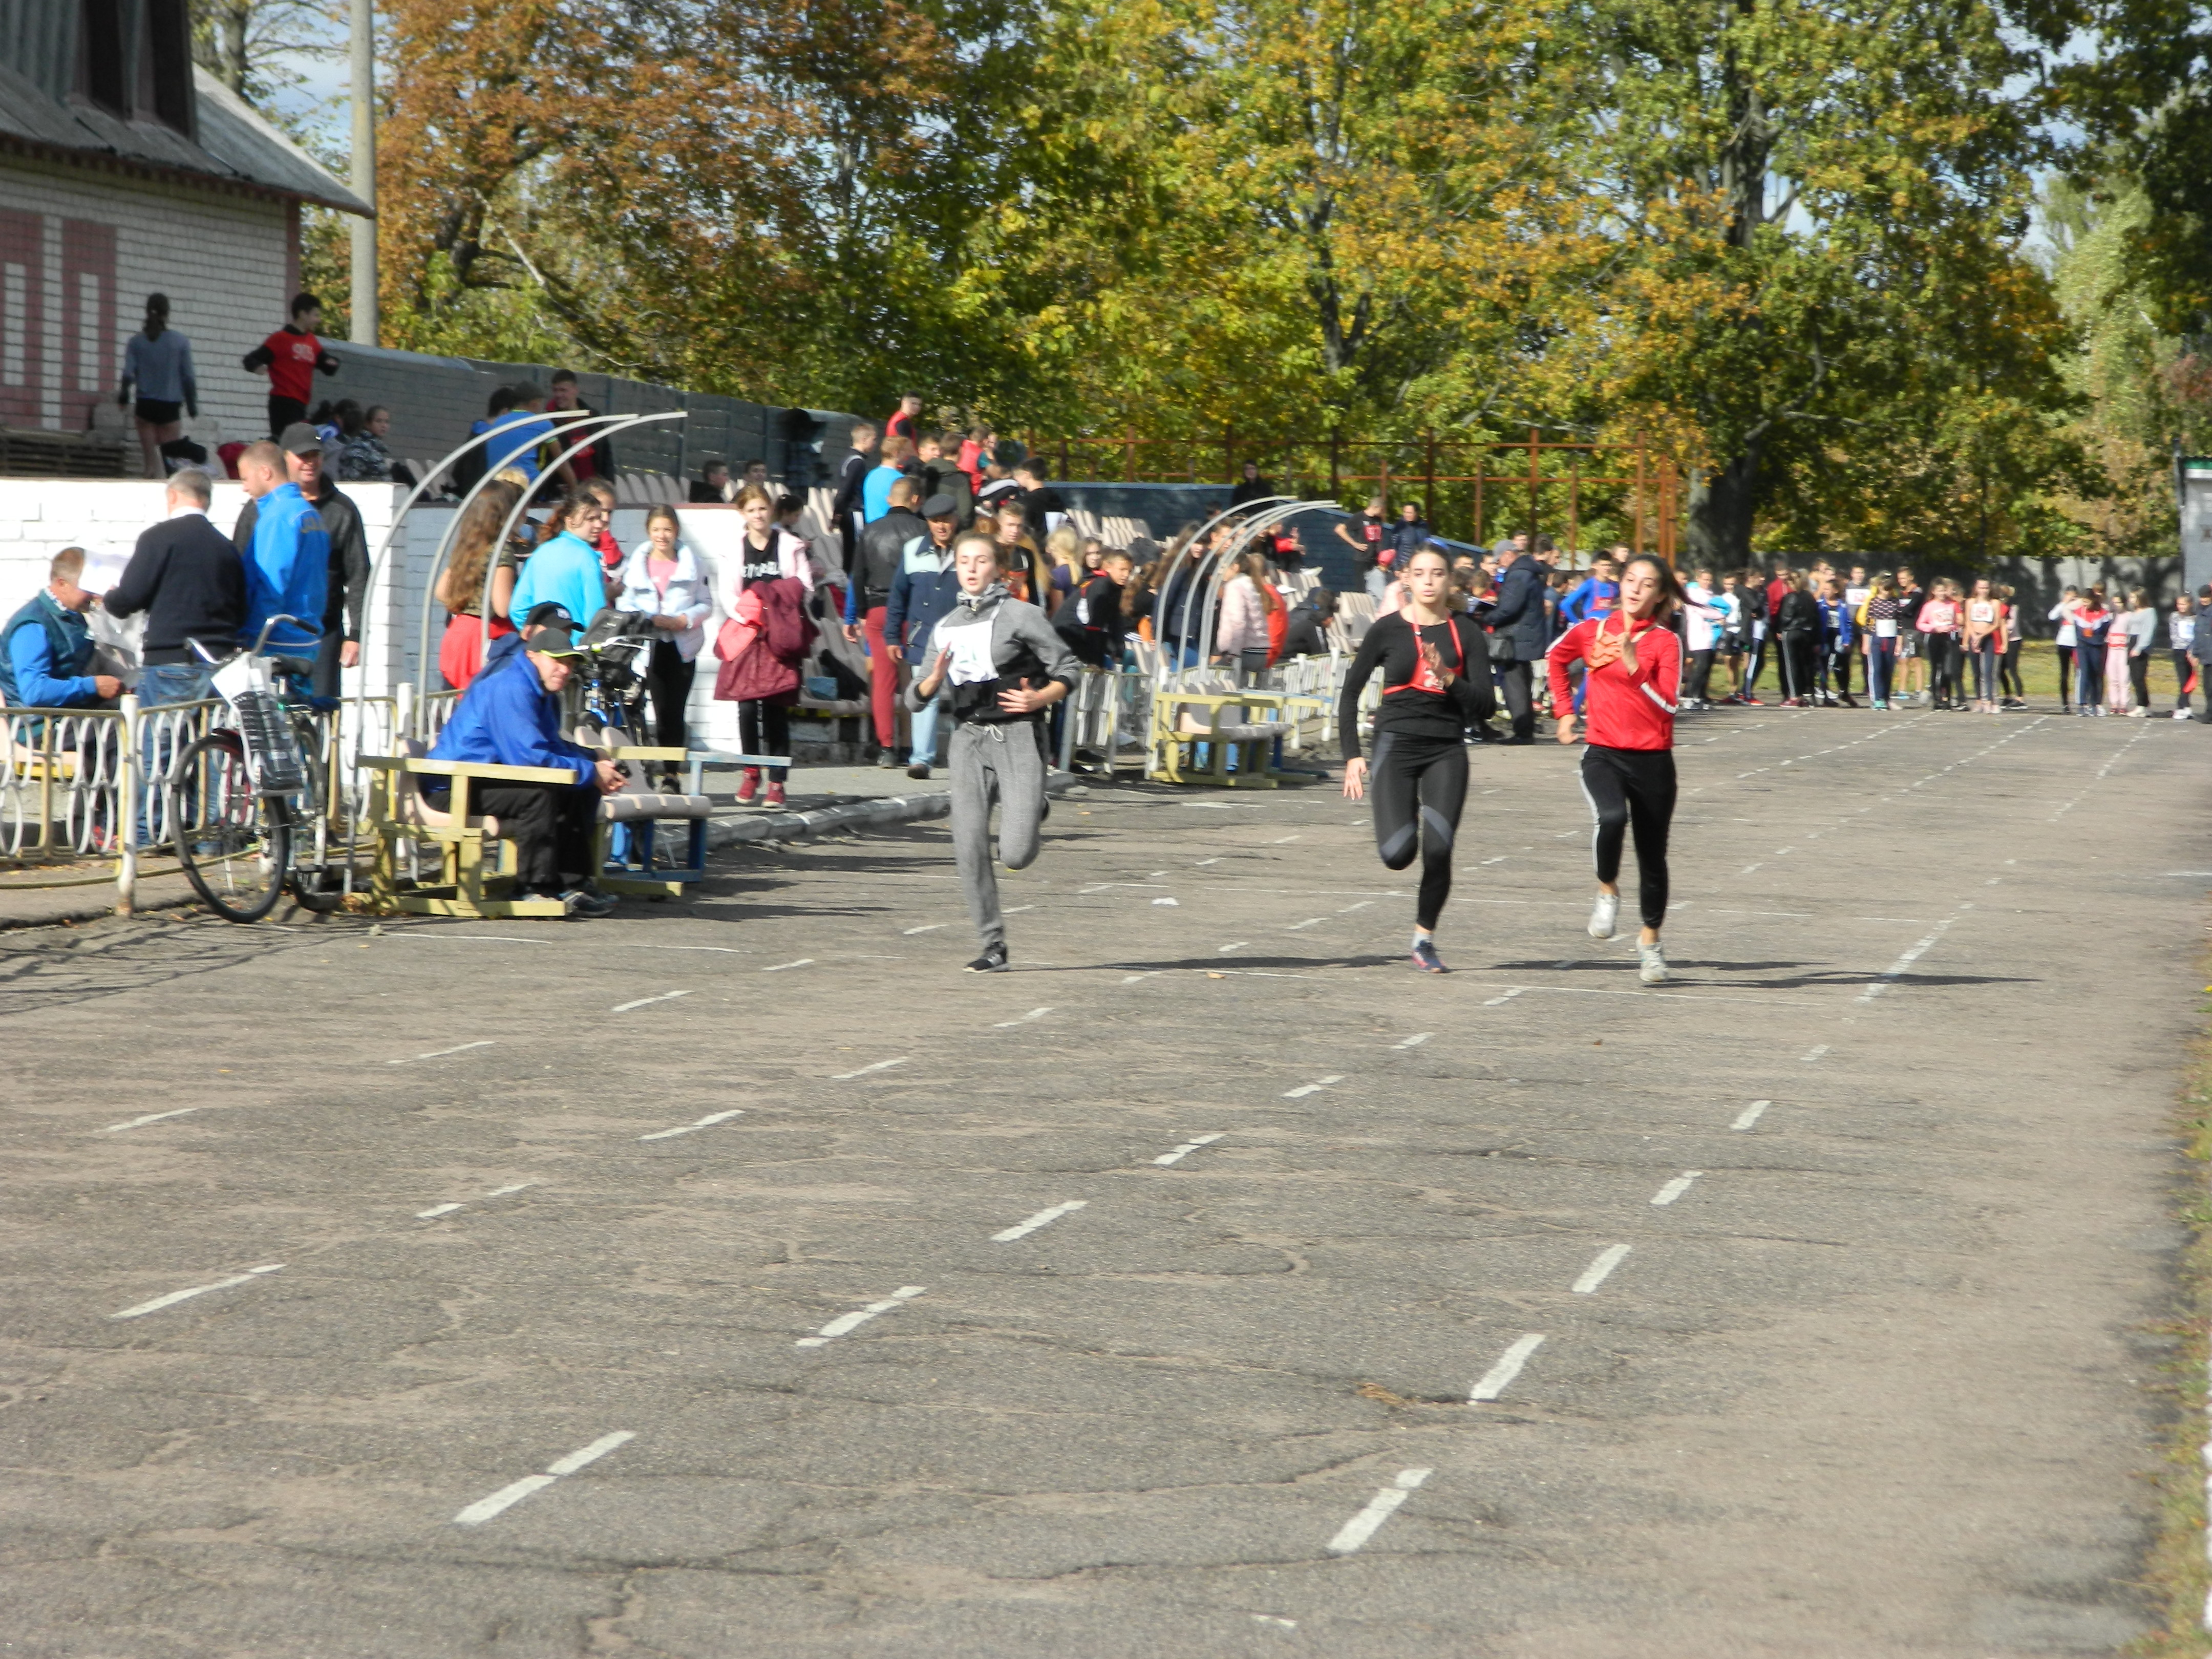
<point>318,870</point>
<point>233,844</point>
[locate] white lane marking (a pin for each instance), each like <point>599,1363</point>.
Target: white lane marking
<point>1508,997</point>
<point>804,962</point>
<point>706,1122</point>
<point>1133,978</point>
<point>1499,1377</point>
<point>1270,1619</point>
<point>1361,1528</point>
<point>439,1054</point>
<point>1750,1114</point>
<point>1279,840</point>
<point>1415,1040</point>
<point>1170,903</point>
<point>880,1066</point>
<point>435,1211</point>
<point>1211,805</point>
<point>926,927</point>
<point>484,1508</point>
<point>1034,1013</point>
<point>666,996</point>
<point>1675,1189</point>
<point>1187,1148</point>
<point>1311,922</point>
<point>1746,869</point>
<point>1896,969</point>
<point>1042,1218</point>
<point>502,1192</point>
<point>1815,1053</point>
<point>175,1296</point>
<point>1596,1274</point>
<point>1016,909</point>
<point>1314,1088</point>
<point>1349,909</point>
<point>1202,863</point>
<point>154,1117</point>
<point>844,1322</point>
<point>1234,944</point>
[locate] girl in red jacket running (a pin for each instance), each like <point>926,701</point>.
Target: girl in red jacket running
<point>1634,663</point>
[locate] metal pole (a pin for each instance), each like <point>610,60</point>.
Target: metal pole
<point>126,865</point>
<point>1428,491</point>
<point>361,49</point>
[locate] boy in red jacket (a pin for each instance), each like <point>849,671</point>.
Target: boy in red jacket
<point>291,355</point>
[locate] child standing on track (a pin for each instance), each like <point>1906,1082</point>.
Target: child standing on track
<point>1635,671</point>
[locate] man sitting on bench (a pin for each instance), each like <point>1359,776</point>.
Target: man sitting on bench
<point>511,716</point>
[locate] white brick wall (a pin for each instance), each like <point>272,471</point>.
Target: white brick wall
<point>220,258</point>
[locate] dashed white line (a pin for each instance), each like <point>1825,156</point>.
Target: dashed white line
<point>706,1122</point>
<point>1042,1218</point>
<point>880,1066</point>
<point>1349,909</point>
<point>844,1322</point>
<point>1234,944</point>
<point>175,1296</point>
<point>1415,1040</point>
<point>435,1211</point>
<point>1597,1273</point>
<point>1202,863</point>
<point>926,927</point>
<point>804,962</point>
<point>1750,1114</point>
<point>1361,1528</point>
<point>1169,903</point>
<point>436,1054</point>
<point>502,1192</point>
<point>1311,922</point>
<point>1033,1014</point>
<point>1675,1189</point>
<point>155,1117</point>
<point>1508,997</point>
<point>1279,840</point>
<point>666,996</point>
<point>1314,1088</point>
<point>1016,909</point>
<point>1499,1377</point>
<point>1896,969</point>
<point>1814,1053</point>
<point>1187,1149</point>
<point>484,1508</point>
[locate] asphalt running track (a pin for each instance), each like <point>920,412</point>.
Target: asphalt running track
<point>737,1277</point>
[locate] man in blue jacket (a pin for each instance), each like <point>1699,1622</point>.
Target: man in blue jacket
<point>511,716</point>
<point>46,647</point>
<point>287,562</point>
<point>1520,634</point>
<point>923,590</point>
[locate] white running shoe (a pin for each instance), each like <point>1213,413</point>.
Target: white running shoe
<point>1603,914</point>
<point>1653,958</point>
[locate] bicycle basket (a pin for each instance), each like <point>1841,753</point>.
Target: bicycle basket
<point>267,729</point>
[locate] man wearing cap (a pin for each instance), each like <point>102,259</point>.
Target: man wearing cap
<point>883,543</point>
<point>286,553</point>
<point>347,585</point>
<point>510,715</point>
<point>924,588</point>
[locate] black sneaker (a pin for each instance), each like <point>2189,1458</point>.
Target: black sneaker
<point>1427,959</point>
<point>886,759</point>
<point>919,769</point>
<point>993,961</point>
<point>586,902</point>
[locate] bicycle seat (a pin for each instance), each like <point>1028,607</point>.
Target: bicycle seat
<point>298,668</point>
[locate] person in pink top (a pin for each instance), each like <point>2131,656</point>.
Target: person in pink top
<point>1984,616</point>
<point>663,579</point>
<point>1938,622</point>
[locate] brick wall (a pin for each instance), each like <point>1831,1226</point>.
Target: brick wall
<point>92,246</point>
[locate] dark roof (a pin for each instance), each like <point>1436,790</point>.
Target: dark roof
<point>235,145</point>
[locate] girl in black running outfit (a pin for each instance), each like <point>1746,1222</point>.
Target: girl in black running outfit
<point>1436,684</point>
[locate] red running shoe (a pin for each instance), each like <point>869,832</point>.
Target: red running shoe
<point>749,785</point>
<point>774,797</point>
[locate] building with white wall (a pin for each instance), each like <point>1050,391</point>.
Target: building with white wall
<point>125,171</point>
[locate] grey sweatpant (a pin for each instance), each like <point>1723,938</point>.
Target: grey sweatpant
<point>1000,761</point>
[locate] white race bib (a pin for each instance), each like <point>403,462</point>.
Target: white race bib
<point>1885,628</point>
<point>971,653</point>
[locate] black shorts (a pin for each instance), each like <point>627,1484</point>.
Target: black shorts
<point>158,412</point>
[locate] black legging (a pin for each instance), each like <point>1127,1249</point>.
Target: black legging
<point>764,728</point>
<point>1632,790</point>
<point>668,682</point>
<point>1943,668</point>
<point>1798,652</point>
<point>2139,677</point>
<point>1430,774</point>
<point>2009,680</point>
<point>1701,675</point>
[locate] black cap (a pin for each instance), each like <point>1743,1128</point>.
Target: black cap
<point>301,439</point>
<point>940,506</point>
<point>550,631</point>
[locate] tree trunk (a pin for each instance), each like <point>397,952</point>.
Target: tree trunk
<point>1718,532</point>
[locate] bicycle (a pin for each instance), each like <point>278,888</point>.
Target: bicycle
<point>241,795</point>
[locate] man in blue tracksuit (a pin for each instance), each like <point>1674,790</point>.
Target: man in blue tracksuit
<point>924,589</point>
<point>287,562</point>
<point>511,716</point>
<point>1594,596</point>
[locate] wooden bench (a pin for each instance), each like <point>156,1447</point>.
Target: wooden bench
<point>477,863</point>
<point>623,856</point>
<point>1182,720</point>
